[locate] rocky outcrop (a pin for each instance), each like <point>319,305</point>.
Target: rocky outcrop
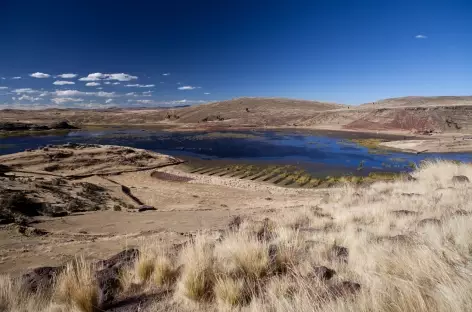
<point>20,126</point>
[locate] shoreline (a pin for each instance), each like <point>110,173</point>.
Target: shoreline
<point>399,141</point>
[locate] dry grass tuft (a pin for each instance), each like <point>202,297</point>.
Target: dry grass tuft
<point>77,287</point>
<point>198,276</point>
<point>230,292</point>
<point>164,271</point>
<point>243,254</point>
<point>379,252</point>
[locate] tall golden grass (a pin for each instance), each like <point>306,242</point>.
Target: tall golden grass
<point>407,243</point>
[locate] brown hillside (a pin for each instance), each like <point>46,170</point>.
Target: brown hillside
<point>422,101</point>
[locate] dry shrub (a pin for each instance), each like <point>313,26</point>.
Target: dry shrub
<point>7,293</point>
<point>230,291</point>
<point>243,254</point>
<point>77,287</point>
<point>164,271</point>
<point>198,276</point>
<point>144,267</point>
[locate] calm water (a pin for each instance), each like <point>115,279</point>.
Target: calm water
<point>312,152</point>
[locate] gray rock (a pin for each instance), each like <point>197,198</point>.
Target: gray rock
<point>460,179</point>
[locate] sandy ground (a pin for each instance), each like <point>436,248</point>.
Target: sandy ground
<point>206,203</point>
<point>438,144</point>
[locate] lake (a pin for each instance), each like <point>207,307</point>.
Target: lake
<point>316,153</point>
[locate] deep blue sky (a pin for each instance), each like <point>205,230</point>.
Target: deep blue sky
<point>341,51</point>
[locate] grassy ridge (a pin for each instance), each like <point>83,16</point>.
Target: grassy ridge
<point>395,246</point>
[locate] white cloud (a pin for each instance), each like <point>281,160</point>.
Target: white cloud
<point>166,74</point>
<point>121,77</point>
<point>4,78</point>
<point>44,94</point>
<point>166,103</point>
<point>206,93</point>
<point>40,75</point>
<point>105,94</point>
<point>93,77</point>
<point>108,101</point>
<point>145,101</point>
<point>131,94</point>
<point>70,93</point>
<point>92,84</point>
<point>100,76</point>
<point>140,85</point>
<point>147,93</point>
<point>63,82</point>
<point>25,90</point>
<point>107,82</point>
<point>99,88</point>
<point>15,78</point>
<point>25,97</point>
<point>116,83</point>
<point>3,88</point>
<point>421,37</point>
<point>63,100</point>
<point>67,76</point>
<point>186,88</point>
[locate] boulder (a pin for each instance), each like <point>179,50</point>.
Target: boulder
<point>339,253</point>
<point>343,289</point>
<point>62,125</point>
<point>460,179</point>
<point>40,279</point>
<point>322,273</point>
<point>108,277</point>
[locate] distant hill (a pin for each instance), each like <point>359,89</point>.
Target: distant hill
<point>422,101</point>
<point>254,110</point>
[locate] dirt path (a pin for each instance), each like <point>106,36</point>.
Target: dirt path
<point>183,207</point>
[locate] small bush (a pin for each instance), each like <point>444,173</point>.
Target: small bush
<point>164,272</point>
<point>77,288</point>
<point>230,291</point>
<point>197,279</point>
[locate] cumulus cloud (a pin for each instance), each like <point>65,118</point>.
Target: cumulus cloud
<point>99,88</point>
<point>106,94</point>
<point>107,82</point>
<point>100,76</point>
<point>421,37</point>
<point>206,93</point>
<point>26,90</point>
<point>166,103</point>
<point>108,101</point>
<point>116,83</point>
<point>140,85</point>
<point>71,93</point>
<point>165,74</point>
<point>44,94</point>
<point>62,100</point>
<point>131,93</point>
<point>3,88</point>
<point>15,78</point>
<point>92,84</point>
<point>145,101</point>
<point>121,77</point>
<point>93,77</point>
<point>147,93</point>
<point>186,88</point>
<point>67,76</point>
<point>40,75</point>
<point>25,97</point>
<point>63,82</point>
